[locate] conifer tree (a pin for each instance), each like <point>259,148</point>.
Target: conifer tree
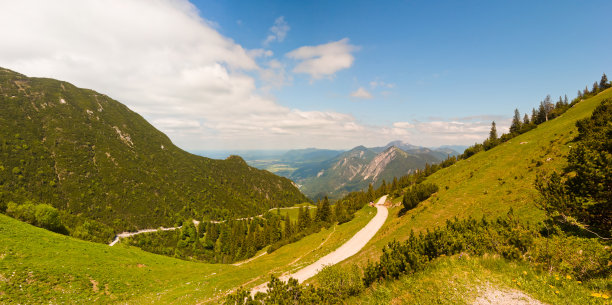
<point>516,122</point>
<point>595,88</point>
<point>526,120</point>
<point>307,218</point>
<point>301,221</point>
<point>324,211</point>
<point>603,83</point>
<point>288,227</point>
<point>493,132</point>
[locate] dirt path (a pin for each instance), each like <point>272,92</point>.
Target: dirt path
<point>119,236</point>
<point>491,295</point>
<point>348,249</point>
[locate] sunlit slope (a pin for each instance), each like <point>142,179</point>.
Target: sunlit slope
<point>44,267</point>
<point>94,158</point>
<point>490,182</point>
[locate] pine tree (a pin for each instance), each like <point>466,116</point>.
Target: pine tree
<point>493,132</point>
<point>526,120</point>
<point>595,88</point>
<point>516,122</point>
<point>307,218</point>
<point>301,221</point>
<point>288,227</point>
<point>565,101</point>
<point>324,211</point>
<point>603,83</point>
<point>370,193</point>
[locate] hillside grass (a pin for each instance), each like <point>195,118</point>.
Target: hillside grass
<point>489,183</point>
<point>454,280</point>
<point>39,266</point>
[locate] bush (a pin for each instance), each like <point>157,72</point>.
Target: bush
<point>47,217</point>
<point>338,283</point>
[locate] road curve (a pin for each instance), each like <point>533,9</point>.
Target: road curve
<point>348,249</point>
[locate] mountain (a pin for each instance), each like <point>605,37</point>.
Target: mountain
<point>441,152</point>
<point>108,170</point>
<point>488,183</point>
<point>357,168</point>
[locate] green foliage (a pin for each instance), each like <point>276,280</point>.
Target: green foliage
<point>582,195</point>
<point>90,156</point>
<point>417,194</point>
<point>48,217</point>
<point>40,215</point>
<point>336,284</point>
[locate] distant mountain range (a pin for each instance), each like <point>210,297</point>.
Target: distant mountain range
<point>355,169</point>
<point>320,172</point>
<point>104,166</point>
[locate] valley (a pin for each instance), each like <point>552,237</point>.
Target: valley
<point>305,153</point>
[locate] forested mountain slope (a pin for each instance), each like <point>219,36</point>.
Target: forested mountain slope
<point>105,166</point>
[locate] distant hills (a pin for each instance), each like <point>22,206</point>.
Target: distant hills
<point>320,172</point>
<point>357,168</point>
<point>107,169</point>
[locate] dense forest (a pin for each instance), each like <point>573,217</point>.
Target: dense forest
<point>106,169</point>
<point>234,240</point>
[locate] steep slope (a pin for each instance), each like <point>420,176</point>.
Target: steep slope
<point>92,157</point>
<point>490,182</point>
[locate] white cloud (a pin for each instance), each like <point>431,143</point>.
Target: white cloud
<point>323,60</point>
<point>361,93</point>
<point>168,64</point>
<point>278,31</point>
<point>462,131</point>
<point>255,53</point>
<point>171,66</point>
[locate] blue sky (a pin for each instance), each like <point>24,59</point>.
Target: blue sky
<point>446,58</point>
<point>330,74</point>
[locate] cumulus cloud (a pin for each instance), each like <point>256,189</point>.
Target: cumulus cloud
<point>167,63</point>
<point>278,31</point>
<point>361,93</point>
<point>323,60</point>
<point>462,131</point>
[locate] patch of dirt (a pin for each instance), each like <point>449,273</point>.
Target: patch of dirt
<point>490,295</point>
<point>95,285</point>
<point>141,265</point>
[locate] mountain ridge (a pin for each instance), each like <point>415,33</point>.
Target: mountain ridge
<point>95,159</point>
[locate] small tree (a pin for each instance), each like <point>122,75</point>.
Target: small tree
<point>526,120</point>
<point>603,83</point>
<point>493,132</point>
<point>516,122</point>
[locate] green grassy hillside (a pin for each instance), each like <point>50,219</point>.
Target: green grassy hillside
<point>487,184</point>
<point>44,267</point>
<point>490,182</point>
<point>91,156</point>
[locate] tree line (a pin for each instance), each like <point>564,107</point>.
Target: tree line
<point>547,110</point>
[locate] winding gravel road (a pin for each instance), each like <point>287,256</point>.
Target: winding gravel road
<point>348,249</point>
